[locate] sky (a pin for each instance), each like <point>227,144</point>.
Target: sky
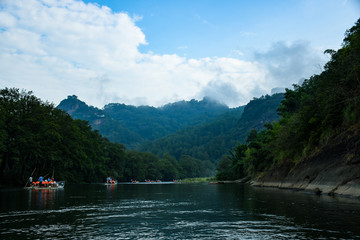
<point>154,52</point>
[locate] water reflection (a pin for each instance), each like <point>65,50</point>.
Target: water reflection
<point>43,198</point>
<point>175,211</point>
<point>307,216</point>
<point>111,190</point>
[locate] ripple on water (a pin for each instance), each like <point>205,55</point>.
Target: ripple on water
<point>164,218</point>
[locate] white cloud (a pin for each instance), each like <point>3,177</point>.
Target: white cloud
<point>64,47</point>
<point>287,63</point>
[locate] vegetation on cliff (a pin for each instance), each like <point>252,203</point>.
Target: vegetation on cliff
<point>311,115</point>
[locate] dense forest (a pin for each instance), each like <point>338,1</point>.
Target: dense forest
<point>134,126</point>
<point>37,138</point>
<point>41,138</point>
<point>312,114</point>
<point>203,130</point>
<point>208,142</point>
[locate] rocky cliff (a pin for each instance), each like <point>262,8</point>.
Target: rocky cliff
<point>333,170</point>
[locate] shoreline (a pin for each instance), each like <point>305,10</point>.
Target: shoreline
<point>333,170</point>
<point>351,190</point>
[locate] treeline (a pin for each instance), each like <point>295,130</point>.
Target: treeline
<point>210,141</point>
<point>311,115</point>
<point>37,138</point>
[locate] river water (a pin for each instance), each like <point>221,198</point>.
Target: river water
<point>175,211</point>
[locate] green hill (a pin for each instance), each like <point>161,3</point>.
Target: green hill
<point>133,126</point>
<point>210,141</point>
<point>203,130</point>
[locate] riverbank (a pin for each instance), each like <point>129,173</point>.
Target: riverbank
<point>197,180</point>
<point>333,170</point>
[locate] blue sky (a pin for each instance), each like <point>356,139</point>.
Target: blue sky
<point>208,28</point>
<point>151,52</point>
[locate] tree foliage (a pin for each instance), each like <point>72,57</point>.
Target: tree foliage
<point>38,138</point>
<point>211,140</point>
<point>311,115</point>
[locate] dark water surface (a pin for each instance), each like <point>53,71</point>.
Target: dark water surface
<point>175,211</point>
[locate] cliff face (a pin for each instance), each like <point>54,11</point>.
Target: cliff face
<point>334,170</point>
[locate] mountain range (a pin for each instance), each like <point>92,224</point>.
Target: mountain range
<point>205,129</point>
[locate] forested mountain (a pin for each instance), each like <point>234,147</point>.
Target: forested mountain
<point>201,130</point>
<point>313,116</point>
<point>98,119</point>
<point>132,126</point>
<point>211,140</point>
<point>38,139</point>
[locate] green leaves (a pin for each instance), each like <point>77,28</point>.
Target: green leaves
<point>311,114</point>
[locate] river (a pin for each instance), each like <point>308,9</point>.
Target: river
<point>175,211</point>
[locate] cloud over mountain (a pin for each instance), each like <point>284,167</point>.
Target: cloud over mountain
<point>59,48</point>
<point>287,63</point>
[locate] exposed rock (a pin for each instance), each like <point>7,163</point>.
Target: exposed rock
<point>243,180</point>
<point>334,170</point>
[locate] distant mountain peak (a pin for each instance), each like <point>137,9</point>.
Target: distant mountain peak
<point>71,104</point>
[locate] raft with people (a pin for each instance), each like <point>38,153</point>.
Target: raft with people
<point>110,181</point>
<point>42,183</point>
